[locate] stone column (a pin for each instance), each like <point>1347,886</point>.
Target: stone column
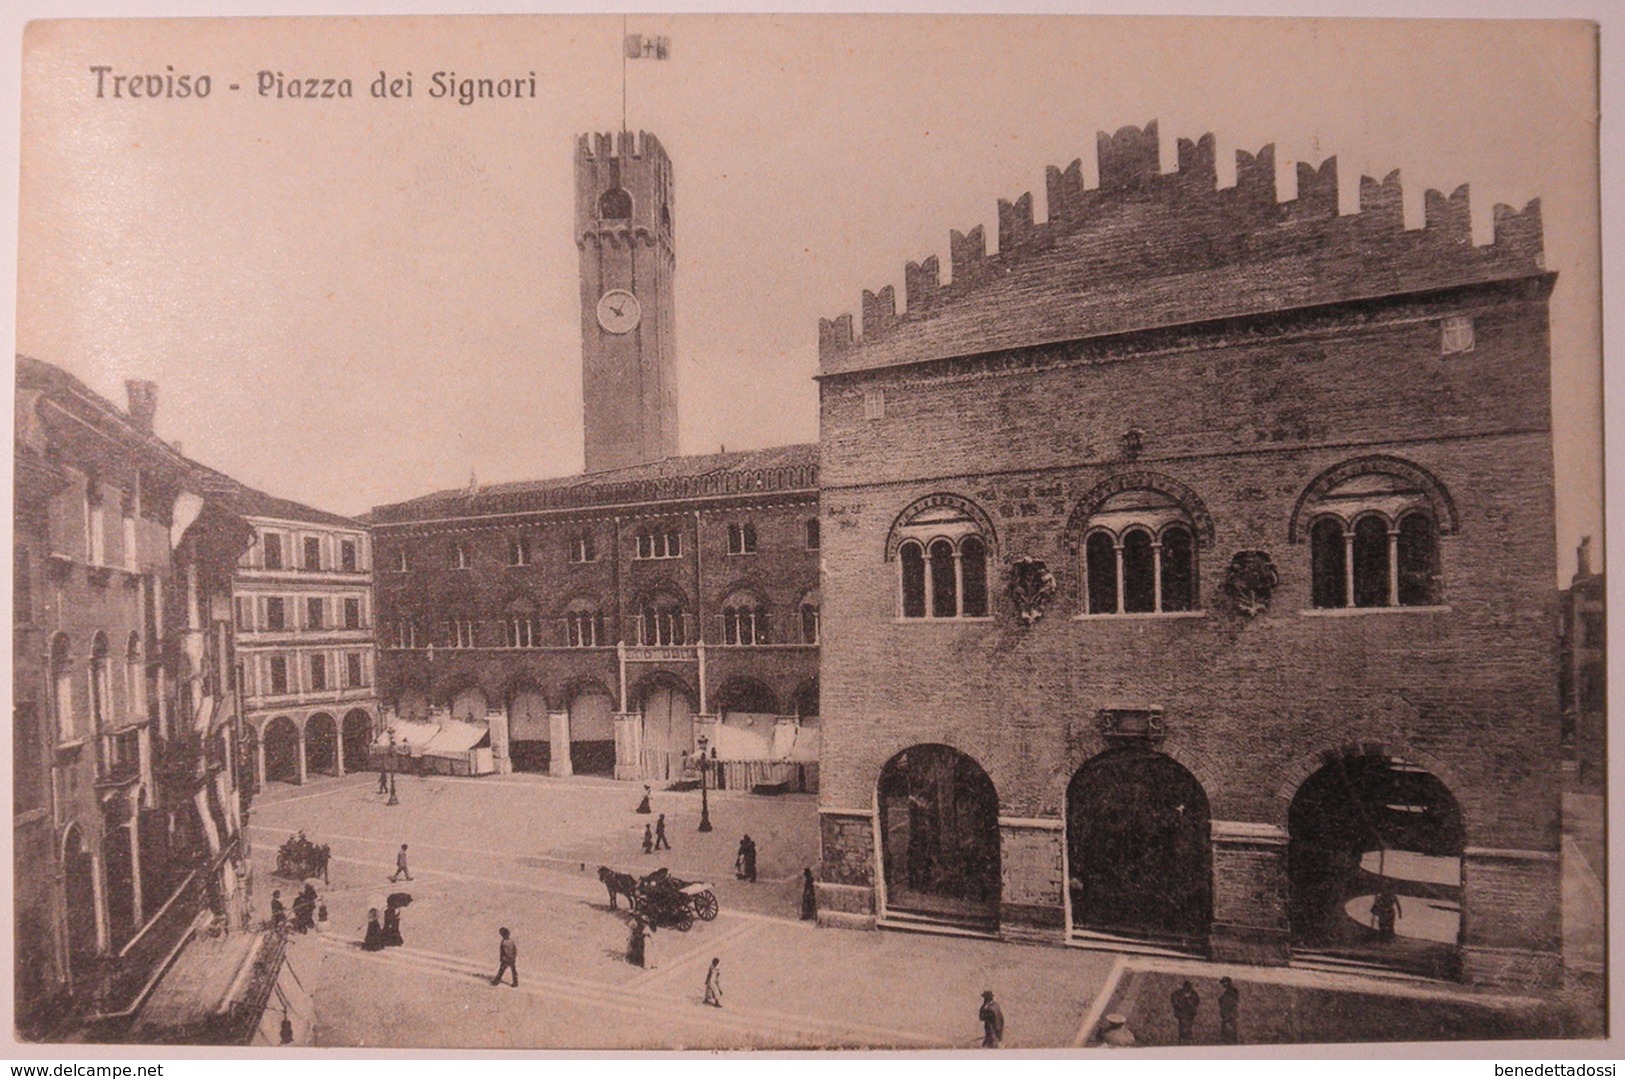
<point>259,761</point>
<point>135,864</point>
<point>558,741</point>
<point>497,720</point>
<point>847,871</point>
<point>628,745</point>
<point>1511,917</point>
<point>302,756</point>
<point>1250,894</point>
<point>338,746</point>
<point>1031,905</point>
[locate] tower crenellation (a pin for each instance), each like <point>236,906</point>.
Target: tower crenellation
<point>1134,235</point>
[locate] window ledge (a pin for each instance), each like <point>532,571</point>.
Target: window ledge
<point>70,745</point>
<point>1138,616</point>
<point>1356,612</point>
<point>957,620</point>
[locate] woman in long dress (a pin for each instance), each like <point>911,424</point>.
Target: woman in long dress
<point>392,927</point>
<point>374,940</point>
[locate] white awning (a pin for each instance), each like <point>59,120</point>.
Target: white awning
<point>456,738</point>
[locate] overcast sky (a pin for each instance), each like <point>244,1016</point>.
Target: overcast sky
<point>352,302</point>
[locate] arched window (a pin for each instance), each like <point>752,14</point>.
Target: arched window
<point>810,616</point>
<point>584,625</point>
<point>615,205</point>
<point>1374,542</point>
<point>1139,555</point>
<point>663,620</point>
<point>744,619</point>
<point>520,628</point>
<point>101,702</point>
<point>942,561</point>
<point>62,689</point>
<point>459,556</point>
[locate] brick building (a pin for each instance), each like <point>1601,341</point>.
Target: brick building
<point>127,814</point>
<point>1187,578</point>
<point>617,621</point>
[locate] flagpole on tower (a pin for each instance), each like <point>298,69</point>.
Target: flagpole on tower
<point>623,74</point>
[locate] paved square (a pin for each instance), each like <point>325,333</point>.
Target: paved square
<point>523,852</point>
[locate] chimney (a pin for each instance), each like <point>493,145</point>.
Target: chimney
<point>143,396</point>
<point>1583,558</point>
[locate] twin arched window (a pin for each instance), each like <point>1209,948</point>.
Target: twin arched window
<point>663,620</point>
<point>1139,555</point>
<point>744,619</point>
<point>943,558</point>
<point>1374,541</point>
<point>584,625</point>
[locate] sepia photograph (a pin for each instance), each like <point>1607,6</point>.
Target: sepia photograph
<point>929,533</point>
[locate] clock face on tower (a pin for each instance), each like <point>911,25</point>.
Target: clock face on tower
<point>619,311</point>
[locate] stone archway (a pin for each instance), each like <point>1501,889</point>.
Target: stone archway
<point>530,732</point>
<point>469,705</point>
<point>283,751</point>
<point>79,885</point>
<point>321,745</point>
<point>357,737</point>
<point>667,710</point>
<point>939,837</point>
<point>1362,825</point>
<point>1139,851</point>
<point>592,731</point>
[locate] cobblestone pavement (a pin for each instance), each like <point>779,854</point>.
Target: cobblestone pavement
<point>523,852</point>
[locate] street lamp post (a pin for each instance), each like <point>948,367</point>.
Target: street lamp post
<point>705,802</point>
<point>394,801</point>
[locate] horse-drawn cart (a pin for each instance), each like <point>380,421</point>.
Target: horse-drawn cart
<point>663,899</point>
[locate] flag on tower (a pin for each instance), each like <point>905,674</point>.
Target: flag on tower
<point>641,47</point>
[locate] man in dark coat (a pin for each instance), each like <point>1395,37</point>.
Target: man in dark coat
<point>809,897</point>
<point>661,842</point>
<point>1229,1012</point>
<point>507,957</point>
<point>745,863</point>
<point>1185,1002</point>
<point>992,1017</point>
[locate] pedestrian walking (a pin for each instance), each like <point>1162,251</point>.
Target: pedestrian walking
<point>400,866</point>
<point>643,806</point>
<point>809,897</point>
<point>1229,1012</point>
<point>1385,909</point>
<point>383,780</point>
<point>745,861</point>
<point>992,1017</point>
<point>713,984</point>
<point>279,913</point>
<point>374,940</point>
<point>1185,1002</point>
<point>648,840</point>
<point>507,957</point>
<point>661,842</point>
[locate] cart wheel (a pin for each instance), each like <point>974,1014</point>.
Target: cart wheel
<point>705,905</point>
<point>685,921</point>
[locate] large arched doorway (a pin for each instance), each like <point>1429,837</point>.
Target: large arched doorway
<point>529,731</point>
<point>357,736</point>
<point>1367,825</point>
<point>321,745</point>
<point>1138,849</point>
<point>79,883</point>
<point>281,740</point>
<point>592,732</point>
<point>468,705</point>
<point>413,705</point>
<point>668,729</point>
<point>939,836</point>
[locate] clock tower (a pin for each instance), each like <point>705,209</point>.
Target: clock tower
<point>628,342</point>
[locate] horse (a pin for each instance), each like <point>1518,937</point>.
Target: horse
<point>619,884</point>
